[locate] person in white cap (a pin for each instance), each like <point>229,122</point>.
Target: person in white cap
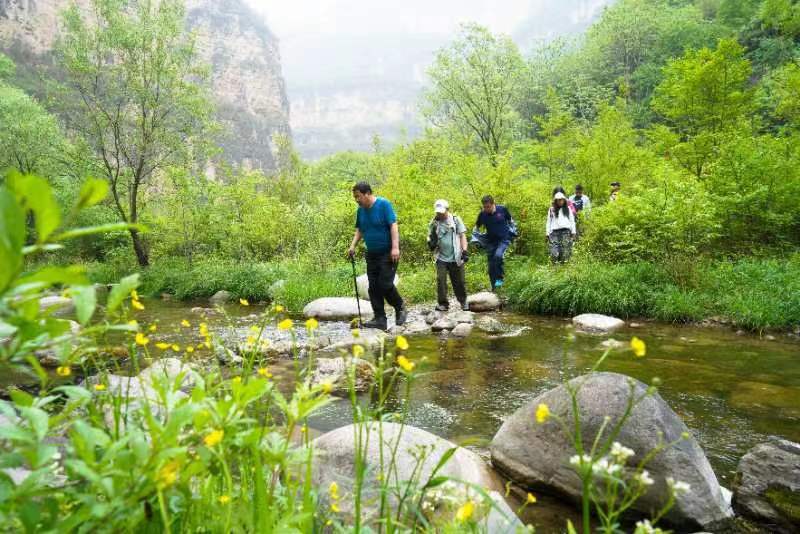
<point>560,228</point>
<point>447,237</point>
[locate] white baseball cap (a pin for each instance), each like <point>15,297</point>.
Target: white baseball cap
<point>560,196</point>
<point>440,206</point>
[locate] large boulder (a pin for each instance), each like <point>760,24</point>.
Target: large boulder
<point>767,485</point>
<point>595,323</point>
<point>146,388</point>
<point>337,309</point>
<point>417,454</point>
<point>363,285</point>
<point>537,455</point>
<point>483,301</point>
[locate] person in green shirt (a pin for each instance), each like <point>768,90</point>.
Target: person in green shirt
<point>447,237</point>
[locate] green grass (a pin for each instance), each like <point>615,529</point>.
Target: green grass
<point>753,293</point>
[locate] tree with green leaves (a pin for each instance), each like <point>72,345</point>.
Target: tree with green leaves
<point>30,138</point>
<point>703,95</point>
<point>475,84</point>
<point>137,95</point>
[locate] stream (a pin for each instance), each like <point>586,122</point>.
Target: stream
<point>732,391</point>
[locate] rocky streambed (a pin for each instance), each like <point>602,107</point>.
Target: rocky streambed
<point>481,373</point>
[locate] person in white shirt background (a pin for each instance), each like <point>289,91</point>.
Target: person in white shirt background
<point>560,229</point>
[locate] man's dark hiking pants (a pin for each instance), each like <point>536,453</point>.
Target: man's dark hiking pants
<point>380,273</point>
<point>456,273</point>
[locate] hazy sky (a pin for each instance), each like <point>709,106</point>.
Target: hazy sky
<point>290,17</point>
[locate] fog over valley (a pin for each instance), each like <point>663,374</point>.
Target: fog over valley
<point>354,68</point>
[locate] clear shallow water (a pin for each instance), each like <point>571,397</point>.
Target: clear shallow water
<point>731,391</point>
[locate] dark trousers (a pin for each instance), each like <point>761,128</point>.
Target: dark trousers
<point>495,253</point>
<point>456,273</point>
<point>380,273</point>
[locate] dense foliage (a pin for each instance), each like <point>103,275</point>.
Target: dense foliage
<point>694,106</point>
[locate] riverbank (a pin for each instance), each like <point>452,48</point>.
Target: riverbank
<point>753,294</point>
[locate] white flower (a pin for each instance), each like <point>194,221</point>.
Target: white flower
<point>678,487</point>
<point>644,527</point>
<point>644,478</point>
<point>580,460</point>
<point>605,467</point>
<point>620,452</point>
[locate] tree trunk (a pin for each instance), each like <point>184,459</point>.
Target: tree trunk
<point>138,246</point>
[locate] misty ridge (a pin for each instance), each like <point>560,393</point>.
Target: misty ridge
<point>347,86</point>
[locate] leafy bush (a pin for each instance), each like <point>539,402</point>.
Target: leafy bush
<point>671,215</point>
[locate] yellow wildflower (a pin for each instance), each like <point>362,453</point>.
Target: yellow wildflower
<point>203,329</point>
<point>134,294</point>
<point>153,327</point>
<point>356,332</point>
<point>236,380</point>
<point>286,324</point>
<point>99,387</point>
<point>401,343</point>
<point>312,324</point>
<point>190,349</point>
<point>213,438</point>
<point>176,347</point>
<point>465,511</point>
<point>168,474</point>
<point>251,340</point>
<point>335,508</point>
<point>531,498</point>
<point>255,329</point>
<point>358,351</point>
<point>224,499</point>
<point>405,363</point>
<point>141,339</point>
<point>244,302</point>
<point>137,305</point>
<point>63,370</point>
<point>638,346</point>
<point>134,323</point>
<point>542,412</point>
<point>327,386</point>
<point>333,490</point>
<point>185,323</point>
<point>278,308</point>
<point>263,371</point>
<point>161,345</point>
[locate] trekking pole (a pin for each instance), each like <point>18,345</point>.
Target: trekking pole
<point>355,288</point>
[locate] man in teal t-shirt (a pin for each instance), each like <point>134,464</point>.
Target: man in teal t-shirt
<point>376,224</point>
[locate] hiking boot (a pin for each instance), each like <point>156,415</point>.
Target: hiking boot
<point>400,317</point>
<point>442,308</point>
<point>465,306</point>
<point>377,322</point>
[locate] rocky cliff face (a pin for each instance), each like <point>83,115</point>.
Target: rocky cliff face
<point>243,54</point>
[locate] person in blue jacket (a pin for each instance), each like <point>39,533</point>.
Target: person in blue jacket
<point>376,224</point>
<point>499,225</point>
